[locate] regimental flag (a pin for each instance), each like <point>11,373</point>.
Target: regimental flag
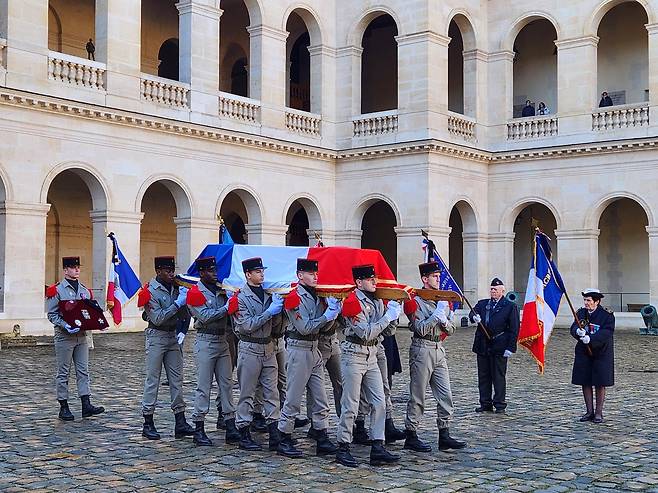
<point>542,300</point>
<point>446,281</point>
<point>122,283</point>
<point>225,237</point>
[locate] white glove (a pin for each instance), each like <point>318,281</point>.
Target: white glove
<point>580,332</point>
<point>393,310</point>
<point>180,337</point>
<point>333,303</point>
<point>440,311</point>
<point>276,306</point>
<point>331,313</point>
<point>182,297</point>
<point>507,353</point>
<point>477,318</point>
<point>585,339</point>
<point>71,330</point>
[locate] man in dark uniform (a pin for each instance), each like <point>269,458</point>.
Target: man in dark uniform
<point>594,363</point>
<point>500,317</point>
<point>70,343</point>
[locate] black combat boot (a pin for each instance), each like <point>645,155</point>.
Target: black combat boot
<point>65,413</point>
<point>200,438</point>
<point>391,433</point>
<point>275,435</point>
<point>258,423</point>
<point>343,455</point>
<point>360,433</point>
<point>286,447</point>
<point>379,456</point>
<point>221,422</point>
<point>88,409</point>
<point>301,422</point>
<point>412,442</point>
<point>324,445</point>
<point>447,442</point>
<point>312,433</point>
<point>246,442</point>
<point>232,433</point>
<point>149,431</point>
<point>182,428</point>
<point>484,409</point>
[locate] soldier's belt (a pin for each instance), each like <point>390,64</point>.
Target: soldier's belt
<point>255,340</point>
<point>361,342</point>
<point>212,332</point>
<point>327,334</point>
<point>302,337</point>
<point>427,337</point>
<point>165,328</point>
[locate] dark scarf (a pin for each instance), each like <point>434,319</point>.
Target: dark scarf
<point>258,291</point>
<point>310,290</point>
<point>75,283</point>
<point>211,287</point>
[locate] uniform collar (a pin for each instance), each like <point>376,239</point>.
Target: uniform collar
<point>155,284</point>
<point>65,282</point>
<point>362,297</point>
<point>246,289</point>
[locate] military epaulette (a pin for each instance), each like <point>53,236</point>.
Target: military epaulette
<point>292,300</point>
<point>410,306</point>
<point>51,291</point>
<point>144,296</point>
<point>608,309</point>
<point>195,297</point>
<point>351,306</point>
<point>233,304</point>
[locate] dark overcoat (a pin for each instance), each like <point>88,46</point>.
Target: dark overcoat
<point>597,370</point>
<point>503,327</point>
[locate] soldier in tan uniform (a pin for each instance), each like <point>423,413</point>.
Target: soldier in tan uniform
<point>164,307</point>
<point>255,315</point>
<point>428,320</point>
<point>307,315</point>
<point>366,318</point>
<point>209,307</point>
<point>70,343</point>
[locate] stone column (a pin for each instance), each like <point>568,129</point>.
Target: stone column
<point>328,236</point>
<point>475,85</point>
<point>101,250</point>
<point>348,92</point>
<point>323,88</point>
<point>348,237</point>
<point>409,254</point>
<point>578,259</point>
<point>576,83</point>
<point>501,248</point>
<point>25,25</point>
<point>25,265</point>
<point>267,234</point>
<point>652,29</point>
<point>441,237</point>
<point>500,108</point>
<point>118,44</point>
<point>199,54</point>
<point>475,262</point>
<point>267,79</point>
<point>652,231</point>
<point>192,235</point>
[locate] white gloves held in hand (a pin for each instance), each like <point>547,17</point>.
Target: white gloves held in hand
<point>393,310</point>
<point>580,332</point>
<point>477,318</point>
<point>585,339</point>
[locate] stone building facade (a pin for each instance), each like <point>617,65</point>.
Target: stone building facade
<point>362,121</point>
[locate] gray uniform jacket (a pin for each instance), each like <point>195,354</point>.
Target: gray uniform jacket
<point>425,323</point>
<point>161,312</point>
<point>65,292</point>
<point>370,323</point>
<point>212,316</point>
<point>308,318</point>
<point>252,319</point>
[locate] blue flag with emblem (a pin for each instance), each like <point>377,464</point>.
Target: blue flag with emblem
<point>446,281</point>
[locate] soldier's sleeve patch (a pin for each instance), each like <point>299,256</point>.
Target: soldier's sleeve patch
<point>51,291</point>
<point>351,306</point>
<point>195,297</point>
<point>144,296</point>
<point>292,300</point>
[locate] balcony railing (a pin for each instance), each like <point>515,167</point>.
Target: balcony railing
<point>302,122</point>
<point>164,91</point>
<point>626,116</point>
<point>462,126</point>
<point>383,122</point>
<point>76,71</point>
<point>239,108</point>
<point>532,128</point>
<point>3,58</point>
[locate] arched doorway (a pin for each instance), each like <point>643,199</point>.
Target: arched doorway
<point>624,255</point>
<point>238,209</point>
<point>240,78</point>
<point>462,71</point>
<point>379,65</point>
<point>456,246</point>
<point>168,59</point>
<point>535,67</point>
<point>299,63</point>
<point>234,48</point>
<point>623,54</point>
<point>463,248</point>
<point>159,38</point>
<point>70,24</point>
<point>304,221</point>
<point>378,232</point>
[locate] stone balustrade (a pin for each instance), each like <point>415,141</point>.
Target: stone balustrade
<point>164,91</point>
<point>76,71</point>
<point>239,108</point>
<point>379,123</point>
<point>303,122</point>
<point>462,126</point>
<point>536,127</point>
<point>626,116</point>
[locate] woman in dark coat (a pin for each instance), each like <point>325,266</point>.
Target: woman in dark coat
<point>595,369</point>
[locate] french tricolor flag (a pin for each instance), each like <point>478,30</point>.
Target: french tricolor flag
<point>122,283</point>
<point>542,300</point>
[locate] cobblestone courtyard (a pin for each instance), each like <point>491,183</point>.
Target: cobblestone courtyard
<point>537,446</point>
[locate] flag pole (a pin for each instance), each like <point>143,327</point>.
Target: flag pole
<point>461,292</point>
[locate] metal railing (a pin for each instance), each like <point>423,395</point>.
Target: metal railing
<point>625,301</point>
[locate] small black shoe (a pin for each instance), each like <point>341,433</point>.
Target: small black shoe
<point>324,445</point>
<point>200,438</point>
<point>286,447</point>
<point>149,431</point>
<point>500,410</point>
<point>484,409</point>
<point>182,428</point>
<point>246,442</point>
<point>586,417</point>
<point>597,420</point>
<point>88,409</point>
<point>65,413</point>
<point>301,422</point>
<point>344,457</point>
<point>258,423</point>
<point>232,433</point>
<point>379,456</point>
<point>312,433</point>
<point>391,433</point>
<point>446,442</point>
<point>221,422</point>
<point>360,434</point>
<point>275,435</point>
<point>412,442</point>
